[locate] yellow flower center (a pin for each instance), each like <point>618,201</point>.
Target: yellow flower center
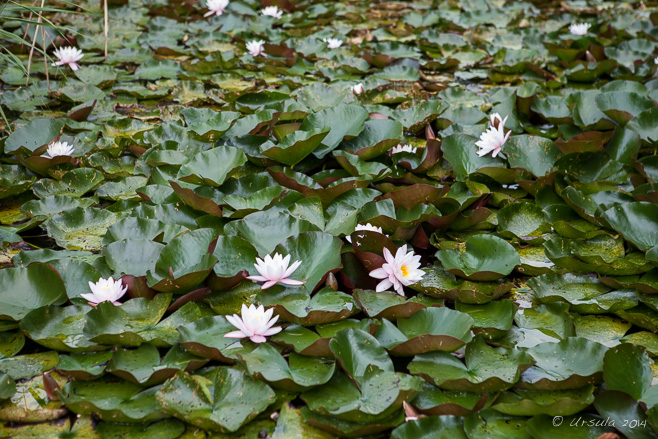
<point>405,270</point>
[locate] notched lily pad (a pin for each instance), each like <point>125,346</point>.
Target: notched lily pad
<point>484,258</point>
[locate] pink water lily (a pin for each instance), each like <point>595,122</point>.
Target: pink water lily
<point>333,43</point>
<point>398,271</point>
<point>105,290</point>
<point>274,270</point>
<point>216,7</point>
<point>579,28</point>
<point>256,323</point>
<point>68,56</point>
<point>272,11</point>
<point>403,148</point>
<point>256,48</point>
<point>368,227</point>
<point>494,138</point>
<point>357,89</point>
<point>58,148</point>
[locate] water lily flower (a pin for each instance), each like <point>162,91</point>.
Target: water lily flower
<point>216,7</point>
<point>403,148</point>
<point>255,324</point>
<point>494,138</point>
<point>275,270</point>
<point>272,11</point>
<point>357,89</point>
<point>398,271</point>
<point>256,48</point>
<point>68,55</point>
<point>105,290</point>
<point>58,148</point>
<point>579,28</point>
<point>367,226</point>
<point>333,43</point>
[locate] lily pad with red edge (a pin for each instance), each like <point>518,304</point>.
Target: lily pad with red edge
<point>434,401</point>
<point>487,369</point>
<point>205,338</point>
<point>389,306</point>
<point>569,364</point>
<point>294,305</point>
<point>184,262</point>
<point>520,402</point>
<point>377,137</point>
<point>443,285</point>
<point>127,324</point>
<point>430,329</point>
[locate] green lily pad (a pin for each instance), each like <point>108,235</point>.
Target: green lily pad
<point>184,262</point>
<point>27,289</point>
<point>125,325</point>
<point>59,328</point>
<point>438,427</point>
<point>569,364</point>
<point>205,337</point>
<point>484,258</point>
<point>319,253</point>
<point>144,365</point>
<point>637,222</point>
<point>487,369</point>
<point>344,121</point>
<point>74,183</point>
<point>521,402</point>
<point>224,404</point>
<point>112,399</point>
<point>430,329</point>
<point>213,167</point>
<point>299,373</point>
<point>439,283</point>
<point>81,228</point>
<point>295,146</point>
<point>391,306</point>
<point>296,305</point>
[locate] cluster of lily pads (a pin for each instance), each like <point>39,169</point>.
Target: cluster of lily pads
<point>331,219</point>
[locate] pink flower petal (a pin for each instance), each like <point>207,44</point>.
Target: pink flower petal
<point>257,339</point>
<point>291,282</point>
<point>235,334</point>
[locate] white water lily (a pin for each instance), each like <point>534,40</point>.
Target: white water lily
<point>494,138</point>
<point>105,290</point>
<point>68,55</point>
<point>216,7</point>
<point>58,148</point>
<point>333,43</point>
<point>274,270</point>
<point>357,89</point>
<point>256,48</point>
<point>367,226</point>
<point>272,11</point>
<point>579,28</point>
<point>398,271</point>
<point>256,323</point>
<point>403,148</point>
